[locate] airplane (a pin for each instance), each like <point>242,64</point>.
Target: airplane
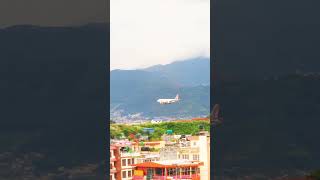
<point>169,101</point>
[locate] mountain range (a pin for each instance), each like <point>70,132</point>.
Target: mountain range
<point>136,91</point>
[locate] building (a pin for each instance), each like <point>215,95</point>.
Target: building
<point>176,156</point>
<point>127,159</point>
<point>154,145</point>
<point>125,156</point>
<point>169,152</point>
<point>196,148</point>
<point>204,154</point>
<point>169,169</point>
<point>114,162</point>
<point>149,157</point>
<point>149,151</point>
<point>148,130</point>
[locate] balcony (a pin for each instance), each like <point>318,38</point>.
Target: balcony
<point>113,159</point>
<point>113,171</point>
<point>178,177</point>
<point>130,154</point>
<point>189,150</point>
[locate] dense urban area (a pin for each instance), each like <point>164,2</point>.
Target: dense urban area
<point>160,150</point>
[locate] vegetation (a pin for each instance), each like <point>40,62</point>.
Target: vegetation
<point>190,127</point>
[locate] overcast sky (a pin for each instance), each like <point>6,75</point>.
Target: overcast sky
<point>149,32</point>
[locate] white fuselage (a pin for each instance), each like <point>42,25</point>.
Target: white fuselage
<point>167,101</point>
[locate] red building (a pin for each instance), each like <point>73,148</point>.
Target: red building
<point>163,170</point>
<point>115,165</point>
<point>122,156</point>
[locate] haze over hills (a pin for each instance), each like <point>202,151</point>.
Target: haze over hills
<point>191,72</point>
<point>136,91</point>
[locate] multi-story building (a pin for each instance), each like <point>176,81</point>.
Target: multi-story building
<point>204,154</point>
<point>114,162</point>
<point>127,160</point>
<point>177,156</point>
<point>169,169</point>
<point>155,144</point>
<point>150,157</point>
<point>169,152</point>
<point>196,148</point>
<point>149,151</point>
<point>125,156</point>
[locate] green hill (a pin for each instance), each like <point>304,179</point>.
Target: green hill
<point>136,91</point>
<point>117,130</point>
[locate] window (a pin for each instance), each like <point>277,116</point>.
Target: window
<point>185,171</point>
<point>132,161</point>
<point>185,156</point>
<point>194,143</point>
<point>196,157</point>
<point>193,171</point>
<point>111,166</point>
<point>111,177</point>
<point>129,174</point>
<point>159,172</point>
<point>124,174</point>
<point>124,162</point>
<point>129,162</point>
<point>172,172</point>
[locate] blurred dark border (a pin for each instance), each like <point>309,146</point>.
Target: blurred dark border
<point>54,91</point>
<point>265,76</point>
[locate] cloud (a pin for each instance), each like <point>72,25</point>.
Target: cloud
<point>148,32</point>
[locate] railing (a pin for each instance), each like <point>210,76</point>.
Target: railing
<point>138,178</point>
<point>113,170</point>
<point>112,159</point>
<point>178,177</point>
<point>127,154</point>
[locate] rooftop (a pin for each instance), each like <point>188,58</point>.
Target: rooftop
<point>169,164</point>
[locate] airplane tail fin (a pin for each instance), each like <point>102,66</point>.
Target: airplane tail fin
<point>177,97</point>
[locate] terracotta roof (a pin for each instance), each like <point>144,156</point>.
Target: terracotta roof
<point>193,119</point>
<point>200,119</point>
<point>152,142</point>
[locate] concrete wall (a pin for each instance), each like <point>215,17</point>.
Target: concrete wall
<point>204,156</point>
